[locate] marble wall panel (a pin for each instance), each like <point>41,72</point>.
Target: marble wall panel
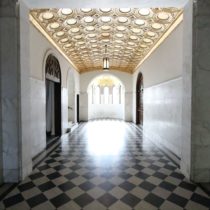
<point>9,97</point>
<point>128,106</point>
<point>162,114</point>
<point>83,106</point>
<point>24,94</point>
<point>201,93</point>
<point>38,116</point>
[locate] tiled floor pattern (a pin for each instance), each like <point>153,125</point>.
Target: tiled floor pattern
<point>106,165</point>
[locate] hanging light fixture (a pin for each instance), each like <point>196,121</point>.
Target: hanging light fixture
<point>105,61</point>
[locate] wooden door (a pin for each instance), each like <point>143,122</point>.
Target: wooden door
<point>139,100</point>
<point>78,108</point>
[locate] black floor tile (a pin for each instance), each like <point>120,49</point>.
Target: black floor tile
<point>84,200</point>
<point>36,200</point>
<point>50,161</point>
<point>59,167</point>
<point>54,175</point>
<point>36,176</point>
<point>71,175</point>
<point>75,167</point>
<point>46,186</point>
<point>170,167</point>
<point>163,160</point>
<point>154,200</point>
<point>106,186</point>
<point>89,175</point>
<point>138,167</point>
<point>201,200</point>
<point>177,175</point>
<point>107,200</point>
<point>124,175</point>
<point>63,161</point>
<point>178,200</point>
<point>142,175</point>
<point>159,175</point>
<point>168,186</point>
<point>130,200</point>
<point>87,186</point>
<point>60,200</point>
<point>44,167</point>
<point>66,186</point>
<point>154,167</point>
<point>147,186</point>
<point>26,186</point>
<point>187,186</point>
<point>13,200</point>
<point>127,186</point>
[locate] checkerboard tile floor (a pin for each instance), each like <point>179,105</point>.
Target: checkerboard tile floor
<point>106,165</point>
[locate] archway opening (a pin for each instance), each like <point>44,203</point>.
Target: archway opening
<point>139,100</point>
<point>106,96</point>
<point>53,98</point>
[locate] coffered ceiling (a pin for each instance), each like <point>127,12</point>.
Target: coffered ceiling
<point>129,34</point>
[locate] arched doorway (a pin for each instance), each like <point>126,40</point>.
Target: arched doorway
<point>53,97</point>
<point>139,99</point>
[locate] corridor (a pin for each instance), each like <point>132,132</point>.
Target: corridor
<point>106,164</point>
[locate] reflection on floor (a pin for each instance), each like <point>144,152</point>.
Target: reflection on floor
<point>107,165</point>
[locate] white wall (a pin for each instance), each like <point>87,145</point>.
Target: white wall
<point>162,78</point>
<point>86,79</point>
<point>114,111</point>
<point>38,55</point>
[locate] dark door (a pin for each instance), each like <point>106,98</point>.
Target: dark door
<point>139,100</point>
<point>78,108</point>
<point>57,109</point>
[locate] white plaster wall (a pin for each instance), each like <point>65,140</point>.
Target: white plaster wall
<point>38,53</point>
<point>86,79</point>
<point>165,63</point>
<point>162,81</point>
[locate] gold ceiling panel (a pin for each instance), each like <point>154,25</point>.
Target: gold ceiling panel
<point>82,34</point>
